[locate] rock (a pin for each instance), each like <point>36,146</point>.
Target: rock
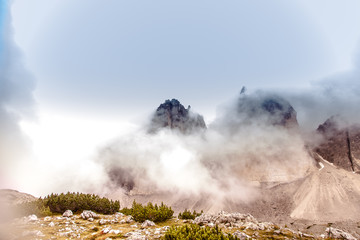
<point>335,233</point>
<point>225,218</point>
<point>103,221</point>
<point>86,214</point>
<point>241,235</point>
<point>129,219</point>
<point>32,218</point>
<point>105,230</point>
<point>90,219</point>
<point>119,214</point>
<point>133,226</point>
<point>147,223</point>
<point>306,235</point>
<point>68,213</point>
<point>173,115</point>
<point>211,224</point>
<point>52,224</point>
<point>116,232</point>
<point>135,236</point>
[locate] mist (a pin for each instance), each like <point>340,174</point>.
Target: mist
<point>16,103</point>
<point>245,146</point>
<point>337,94</point>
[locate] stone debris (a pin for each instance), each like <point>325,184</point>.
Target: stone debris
<point>242,226</point>
<point>86,214</point>
<point>68,213</point>
<point>225,219</point>
<point>335,233</point>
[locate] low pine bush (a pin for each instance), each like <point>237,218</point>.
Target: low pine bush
<point>34,207</point>
<point>188,215</point>
<point>76,202</point>
<point>194,232</point>
<point>150,212</point>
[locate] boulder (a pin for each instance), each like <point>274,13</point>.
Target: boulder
<point>147,223</point>
<point>68,213</point>
<point>86,215</point>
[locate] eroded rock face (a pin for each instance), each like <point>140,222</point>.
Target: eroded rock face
<point>172,114</point>
<point>267,108</point>
<point>340,143</point>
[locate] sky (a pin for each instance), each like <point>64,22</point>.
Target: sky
<point>93,69</point>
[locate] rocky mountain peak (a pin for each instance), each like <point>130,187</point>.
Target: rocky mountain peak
<point>172,114</point>
<point>272,109</point>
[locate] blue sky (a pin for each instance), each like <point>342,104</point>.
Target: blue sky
<point>3,14</point>
<point>129,56</point>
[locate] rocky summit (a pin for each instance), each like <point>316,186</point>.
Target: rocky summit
<point>271,109</point>
<point>340,143</point>
<point>172,114</point>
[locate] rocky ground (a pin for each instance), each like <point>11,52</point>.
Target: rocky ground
<point>89,225</point>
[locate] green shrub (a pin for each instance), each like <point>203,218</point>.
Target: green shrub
<point>34,207</point>
<point>151,212</point>
<point>188,215</point>
<point>194,232</point>
<point>76,202</point>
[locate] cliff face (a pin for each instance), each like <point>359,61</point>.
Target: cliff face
<point>172,114</point>
<point>340,144</point>
<point>269,109</point>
